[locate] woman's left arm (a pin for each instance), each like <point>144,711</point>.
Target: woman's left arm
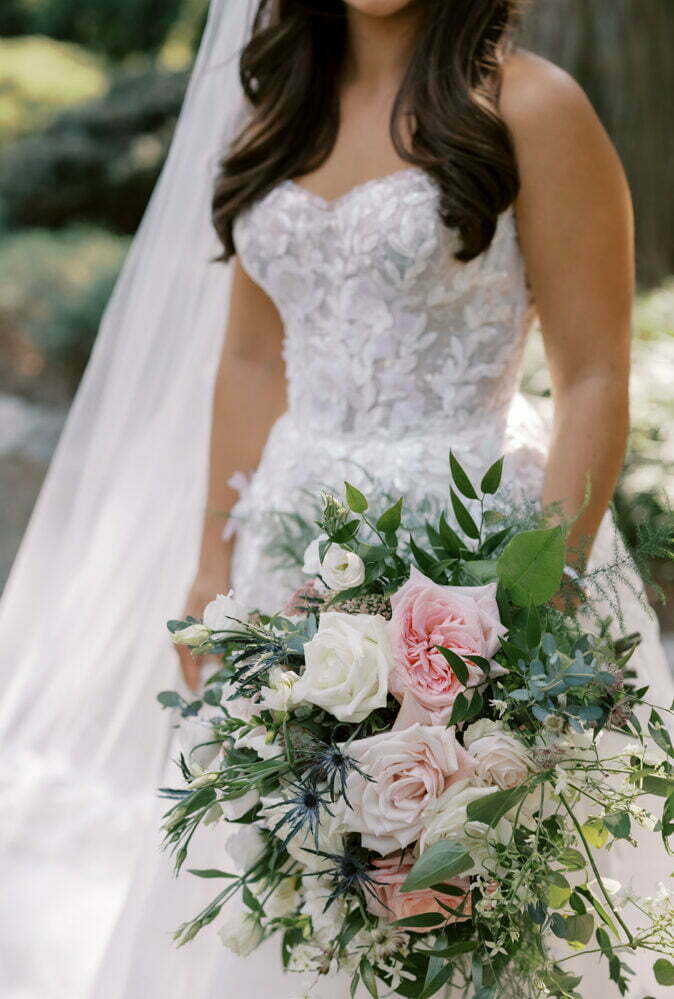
<point>576,231</point>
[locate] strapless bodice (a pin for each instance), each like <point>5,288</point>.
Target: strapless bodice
<point>386,333</point>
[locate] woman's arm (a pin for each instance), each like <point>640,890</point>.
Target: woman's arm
<point>249,395</point>
<point>576,230</point>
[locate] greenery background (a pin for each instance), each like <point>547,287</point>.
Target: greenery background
<point>89,95</point>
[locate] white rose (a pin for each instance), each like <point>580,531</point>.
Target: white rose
<point>258,740</point>
<point>280,694</point>
<point>241,932</point>
<point>408,769</point>
<point>447,818</point>
<point>197,745</point>
<point>193,635</point>
<point>245,846</point>
<point>225,614</point>
<point>501,759</point>
<point>342,569</point>
<point>347,666</point>
<point>236,808</point>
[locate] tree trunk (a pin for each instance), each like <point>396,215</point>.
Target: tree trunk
<point>622,53</point>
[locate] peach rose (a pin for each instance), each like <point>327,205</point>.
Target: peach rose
<point>408,770</point>
<point>464,619</point>
<point>390,903</point>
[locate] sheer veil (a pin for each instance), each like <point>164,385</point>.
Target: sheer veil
<point>108,557</point>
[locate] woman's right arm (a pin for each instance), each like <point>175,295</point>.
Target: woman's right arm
<point>249,395</point>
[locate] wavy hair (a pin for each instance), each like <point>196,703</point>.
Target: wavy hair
<point>290,71</point>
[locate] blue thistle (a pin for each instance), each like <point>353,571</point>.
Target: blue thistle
<point>304,810</point>
<point>331,765</point>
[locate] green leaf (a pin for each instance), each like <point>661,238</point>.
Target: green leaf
<point>571,860</point>
<point>483,570</point>
<point>668,819</point>
<point>456,663</point>
<point>618,824</point>
<point>660,733</point>
<point>169,699</point>
<point>492,807</point>
<point>460,710</point>
<point>463,483</point>
<point>424,919</point>
<point>425,561</point>
<point>595,833</point>
<point>491,479</point>
<point>438,981</point>
<point>663,971</point>
<point>450,538</point>
<point>464,519</point>
<point>390,519</point>
<point>357,502</point>
<point>209,872</point>
<point>579,929</point>
<point>440,862</point>
<point>531,565</point>
<point>533,627</point>
<point>369,980</point>
<point>558,890</point>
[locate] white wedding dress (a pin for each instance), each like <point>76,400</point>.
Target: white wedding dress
<point>395,352</point>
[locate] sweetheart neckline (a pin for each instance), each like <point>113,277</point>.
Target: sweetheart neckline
<point>329,203</point>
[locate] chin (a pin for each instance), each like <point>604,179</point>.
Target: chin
<point>379,8</point>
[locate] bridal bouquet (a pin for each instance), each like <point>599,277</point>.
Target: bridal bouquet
<point>418,763</point>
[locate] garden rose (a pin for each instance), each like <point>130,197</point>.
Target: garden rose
<point>447,818</point>
<point>391,903</point>
<point>501,759</point>
<point>464,619</point>
<point>348,662</point>
<point>225,613</point>
<point>409,770</point>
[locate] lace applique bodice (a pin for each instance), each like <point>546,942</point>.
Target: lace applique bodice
<point>395,351</point>
<point>385,331</point>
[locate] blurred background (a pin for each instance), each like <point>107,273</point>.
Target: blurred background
<point>89,95</point>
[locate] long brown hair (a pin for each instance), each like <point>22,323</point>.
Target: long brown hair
<point>290,72</point>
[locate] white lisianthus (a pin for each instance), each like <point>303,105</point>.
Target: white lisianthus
<point>245,846</point>
<point>312,558</point>
<point>241,932</point>
<point>197,745</point>
<point>236,808</point>
<point>342,569</point>
<point>259,740</point>
<point>501,759</point>
<point>447,818</point>
<point>348,662</point>
<point>283,900</point>
<point>326,923</point>
<point>280,694</point>
<point>242,708</point>
<point>225,614</point>
<point>193,635</point>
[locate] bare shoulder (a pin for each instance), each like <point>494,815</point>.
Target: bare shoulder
<point>538,95</point>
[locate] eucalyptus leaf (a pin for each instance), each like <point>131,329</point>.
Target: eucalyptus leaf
<point>440,862</point>
<point>663,971</point>
<point>169,699</point>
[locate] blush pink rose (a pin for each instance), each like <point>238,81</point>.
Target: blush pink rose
<point>402,773</point>
<point>390,903</point>
<point>464,619</point>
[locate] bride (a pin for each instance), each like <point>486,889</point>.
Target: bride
<point>401,191</point>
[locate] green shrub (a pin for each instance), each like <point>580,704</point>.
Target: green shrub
<point>97,163</point>
<point>54,286</point>
<point>39,77</point>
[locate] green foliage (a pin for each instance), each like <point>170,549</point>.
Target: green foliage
<point>130,26</point>
<point>97,163</point>
<point>438,863</point>
<point>54,287</point>
<point>40,77</point>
